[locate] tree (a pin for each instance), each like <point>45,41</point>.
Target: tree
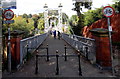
<point>25,15</point>
<point>78,8</point>
<point>64,18</point>
<point>41,15</point>
<point>73,23</point>
<point>30,16</point>
<point>116,6</point>
<point>92,15</point>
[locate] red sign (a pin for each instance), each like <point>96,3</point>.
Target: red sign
<point>8,14</point>
<point>108,11</point>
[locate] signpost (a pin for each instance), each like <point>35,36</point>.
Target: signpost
<point>8,15</point>
<point>108,11</point>
<point>8,4</point>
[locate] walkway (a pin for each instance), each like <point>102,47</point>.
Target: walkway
<point>67,68</point>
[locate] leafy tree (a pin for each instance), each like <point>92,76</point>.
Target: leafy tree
<point>30,16</point>
<point>78,8</point>
<point>116,6</point>
<point>41,15</point>
<point>64,18</point>
<point>73,22</point>
<point>25,15</point>
<point>92,15</point>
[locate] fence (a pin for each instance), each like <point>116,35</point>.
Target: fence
<point>31,42</point>
<point>86,46</point>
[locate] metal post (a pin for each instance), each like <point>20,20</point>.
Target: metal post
<point>65,54</point>
<point>47,53</point>
<point>9,51</point>
<point>27,52</point>
<point>110,41</point>
<point>57,65</point>
<point>86,52</point>
<point>80,72</point>
<point>36,67</point>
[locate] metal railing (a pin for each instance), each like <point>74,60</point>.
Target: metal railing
<point>31,42</point>
<point>86,46</point>
<point>57,61</point>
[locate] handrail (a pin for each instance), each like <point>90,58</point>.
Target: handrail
<point>86,46</point>
<point>32,42</point>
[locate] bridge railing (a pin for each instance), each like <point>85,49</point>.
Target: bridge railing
<point>86,46</point>
<point>31,42</point>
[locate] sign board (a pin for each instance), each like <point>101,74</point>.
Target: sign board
<point>8,4</point>
<point>8,14</point>
<point>108,11</point>
<point>110,28</point>
<point>8,21</point>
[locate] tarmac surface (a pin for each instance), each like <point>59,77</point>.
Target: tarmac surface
<point>67,68</point>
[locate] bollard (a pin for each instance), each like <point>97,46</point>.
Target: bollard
<point>47,53</point>
<point>36,67</point>
<point>86,52</point>
<point>57,65</point>
<point>65,54</point>
<point>27,52</point>
<point>80,72</point>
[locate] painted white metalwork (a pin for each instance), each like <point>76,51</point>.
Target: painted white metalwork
<point>31,42</point>
<point>47,17</point>
<point>86,46</point>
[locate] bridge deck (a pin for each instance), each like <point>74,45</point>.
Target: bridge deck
<point>66,68</point>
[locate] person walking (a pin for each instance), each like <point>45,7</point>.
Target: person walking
<point>54,34</point>
<point>59,35</point>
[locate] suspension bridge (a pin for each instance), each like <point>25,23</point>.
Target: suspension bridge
<point>67,64</point>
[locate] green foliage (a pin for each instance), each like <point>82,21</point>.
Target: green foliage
<point>92,15</point>
<point>74,20</point>
<point>41,15</point>
<point>88,17</point>
<point>64,18</point>
<point>30,16</point>
<point>73,23</point>
<point>41,24</point>
<point>116,6</point>
<point>25,15</point>
<point>21,24</point>
<point>35,17</point>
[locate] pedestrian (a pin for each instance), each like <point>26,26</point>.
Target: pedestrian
<point>50,32</point>
<point>59,35</point>
<point>54,34</point>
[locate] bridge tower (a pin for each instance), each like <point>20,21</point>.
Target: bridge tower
<point>60,17</point>
<point>46,18</point>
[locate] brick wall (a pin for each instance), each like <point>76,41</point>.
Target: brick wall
<point>102,23</point>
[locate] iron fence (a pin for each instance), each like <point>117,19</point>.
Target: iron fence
<point>31,42</point>
<point>86,46</point>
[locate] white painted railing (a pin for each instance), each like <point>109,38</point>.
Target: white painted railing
<point>86,46</point>
<point>31,42</point>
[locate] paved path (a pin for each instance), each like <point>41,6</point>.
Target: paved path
<point>66,68</point>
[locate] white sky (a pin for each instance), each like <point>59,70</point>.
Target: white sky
<point>36,6</point>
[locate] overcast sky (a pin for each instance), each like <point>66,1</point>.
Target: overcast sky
<point>36,6</point>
